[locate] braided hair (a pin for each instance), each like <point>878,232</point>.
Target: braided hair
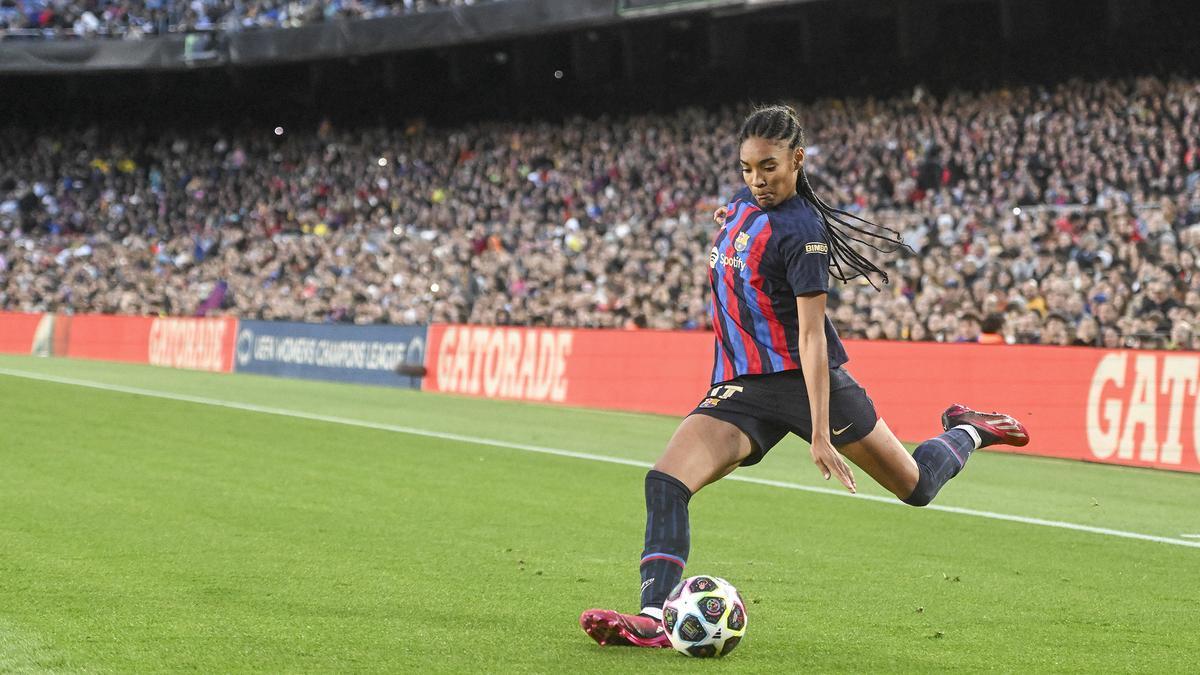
<point>780,123</point>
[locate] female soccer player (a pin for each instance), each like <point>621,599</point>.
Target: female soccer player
<point>779,368</point>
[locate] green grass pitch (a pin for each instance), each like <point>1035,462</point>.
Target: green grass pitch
<point>146,534</point>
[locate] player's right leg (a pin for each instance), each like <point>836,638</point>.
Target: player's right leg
<point>917,478</point>
<point>993,428</point>
<point>702,450</point>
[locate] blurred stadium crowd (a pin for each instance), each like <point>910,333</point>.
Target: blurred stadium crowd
<point>1068,215</point>
<point>136,19</point>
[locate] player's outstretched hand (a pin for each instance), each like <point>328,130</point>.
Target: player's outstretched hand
<point>719,215</point>
<point>830,462</point>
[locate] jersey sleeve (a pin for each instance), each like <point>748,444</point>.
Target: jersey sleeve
<point>805,256</point>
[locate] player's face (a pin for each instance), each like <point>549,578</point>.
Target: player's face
<point>770,169</point>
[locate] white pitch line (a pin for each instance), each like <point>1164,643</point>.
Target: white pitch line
<point>558,452</point>
<point>1190,536</point>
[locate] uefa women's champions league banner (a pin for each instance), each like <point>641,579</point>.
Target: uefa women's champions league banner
<point>381,355</point>
<point>1136,408</point>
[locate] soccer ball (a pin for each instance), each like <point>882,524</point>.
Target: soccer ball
<point>704,616</point>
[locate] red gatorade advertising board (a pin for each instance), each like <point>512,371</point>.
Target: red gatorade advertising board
<point>1136,408</point>
<point>176,342</point>
<point>102,337</point>
<point>647,371</point>
<point>193,343</point>
<point>16,332</point>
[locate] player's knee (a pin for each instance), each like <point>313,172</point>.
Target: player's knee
<point>918,498</point>
<point>660,481</point>
<point>923,493</point>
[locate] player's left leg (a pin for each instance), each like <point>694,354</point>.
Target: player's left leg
<point>703,450</point>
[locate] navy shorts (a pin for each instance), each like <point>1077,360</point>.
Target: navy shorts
<point>767,407</point>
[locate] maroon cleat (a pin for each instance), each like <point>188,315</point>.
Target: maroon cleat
<point>612,629</point>
<point>994,428</point>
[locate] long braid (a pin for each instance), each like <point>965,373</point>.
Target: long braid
<point>780,123</point>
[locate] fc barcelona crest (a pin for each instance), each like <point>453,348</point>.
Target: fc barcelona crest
<point>739,244</point>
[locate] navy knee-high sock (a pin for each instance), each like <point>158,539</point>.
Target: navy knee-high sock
<point>939,459</point>
<point>667,539</point>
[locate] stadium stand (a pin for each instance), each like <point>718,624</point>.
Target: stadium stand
<point>1031,217</point>
<point>137,19</point>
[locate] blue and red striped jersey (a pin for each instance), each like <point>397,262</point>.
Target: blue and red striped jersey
<point>759,262</point>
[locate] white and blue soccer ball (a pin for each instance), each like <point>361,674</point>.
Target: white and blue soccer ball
<point>704,616</point>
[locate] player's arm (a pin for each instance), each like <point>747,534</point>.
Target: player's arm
<point>814,360</point>
<point>805,257</point>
